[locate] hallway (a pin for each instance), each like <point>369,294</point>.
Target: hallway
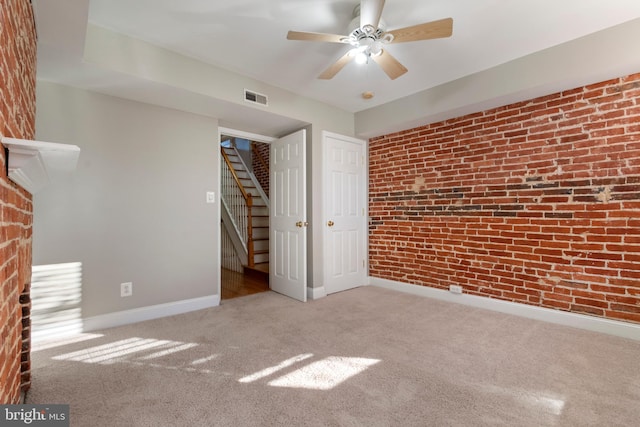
<point>236,284</point>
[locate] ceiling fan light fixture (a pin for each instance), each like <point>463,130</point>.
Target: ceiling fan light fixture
<point>362,58</point>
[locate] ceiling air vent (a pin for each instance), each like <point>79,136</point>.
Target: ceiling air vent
<point>255,97</point>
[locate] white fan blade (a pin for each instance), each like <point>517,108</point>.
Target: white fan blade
<point>370,12</point>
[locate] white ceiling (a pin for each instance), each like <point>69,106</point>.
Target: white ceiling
<point>248,37</point>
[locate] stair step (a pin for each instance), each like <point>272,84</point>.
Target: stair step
<point>261,221</point>
<point>260,233</point>
<point>259,258</point>
<point>261,211</point>
<point>259,271</point>
<point>260,246</point>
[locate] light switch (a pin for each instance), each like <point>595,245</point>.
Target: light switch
<point>211,196</point>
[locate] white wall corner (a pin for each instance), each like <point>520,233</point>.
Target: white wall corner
<point>581,321</point>
<point>29,162</point>
<point>316,293</point>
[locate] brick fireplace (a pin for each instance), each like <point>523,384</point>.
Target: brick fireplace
<point>17,120</point>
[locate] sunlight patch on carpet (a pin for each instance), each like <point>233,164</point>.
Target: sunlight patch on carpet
<point>543,402</point>
<point>205,359</point>
<point>173,349</point>
<point>273,369</point>
<point>551,405</point>
<point>123,349</point>
<point>144,352</point>
<point>323,374</point>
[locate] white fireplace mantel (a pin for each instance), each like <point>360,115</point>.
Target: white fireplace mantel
<point>31,162</point>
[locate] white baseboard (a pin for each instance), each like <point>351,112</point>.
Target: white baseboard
<point>316,293</point>
<point>596,324</point>
<point>135,315</point>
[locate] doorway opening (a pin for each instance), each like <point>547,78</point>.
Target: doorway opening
<point>244,196</point>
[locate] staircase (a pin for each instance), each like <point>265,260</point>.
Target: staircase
<point>251,221</point>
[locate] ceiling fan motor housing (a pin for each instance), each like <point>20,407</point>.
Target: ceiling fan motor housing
<point>357,33</point>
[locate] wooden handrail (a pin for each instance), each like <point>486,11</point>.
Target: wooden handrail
<point>235,175</point>
<point>248,198</point>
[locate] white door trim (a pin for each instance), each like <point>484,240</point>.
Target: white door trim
<point>238,134</point>
<point>244,135</point>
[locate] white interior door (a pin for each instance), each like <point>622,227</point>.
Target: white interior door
<point>288,240</point>
<point>345,226</point>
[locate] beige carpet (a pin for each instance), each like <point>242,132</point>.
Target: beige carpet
<point>366,357</point>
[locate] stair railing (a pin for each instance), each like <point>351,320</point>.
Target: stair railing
<point>257,154</point>
<point>239,203</point>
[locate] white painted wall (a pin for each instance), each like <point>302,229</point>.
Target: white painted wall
<point>134,210</point>
<point>189,78</point>
<point>603,55</point>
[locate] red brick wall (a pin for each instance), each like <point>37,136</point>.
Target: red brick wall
<point>17,120</point>
<point>259,170</point>
<point>536,202</point>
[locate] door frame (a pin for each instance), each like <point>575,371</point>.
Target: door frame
<point>316,178</point>
<point>238,134</point>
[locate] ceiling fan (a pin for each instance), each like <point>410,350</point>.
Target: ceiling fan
<point>369,37</point>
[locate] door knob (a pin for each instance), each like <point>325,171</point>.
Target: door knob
<point>330,223</point>
<point>301,224</point>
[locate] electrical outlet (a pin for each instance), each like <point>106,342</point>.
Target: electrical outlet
<point>126,289</point>
<point>455,289</point>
